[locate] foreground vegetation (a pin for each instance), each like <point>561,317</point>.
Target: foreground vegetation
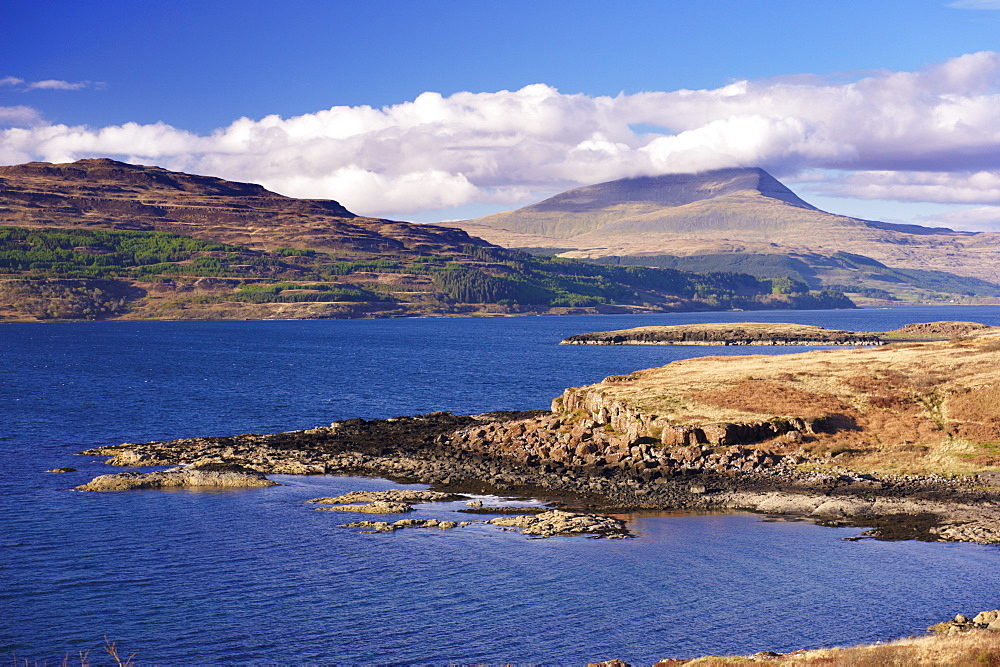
<point>978,648</point>
<point>77,273</point>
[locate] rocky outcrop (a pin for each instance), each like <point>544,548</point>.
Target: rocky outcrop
<point>974,530</point>
<point>556,522</point>
<point>747,333</point>
<point>177,478</point>
<point>557,444</point>
<point>393,501</point>
<point>407,496</point>
<point>939,330</point>
<point>387,527</point>
<point>376,507</point>
<point>552,523</point>
<point>592,408</point>
<point>587,465</point>
<point>984,620</point>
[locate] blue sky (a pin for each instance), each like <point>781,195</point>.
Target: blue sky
<point>439,110</point>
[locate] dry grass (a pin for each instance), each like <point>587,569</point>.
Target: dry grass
<point>920,408</point>
<point>752,395</point>
<point>977,648</point>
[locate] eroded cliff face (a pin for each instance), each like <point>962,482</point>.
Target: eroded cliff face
<point>594,408</point>
<point>571,442</point>
<point>927,408</point>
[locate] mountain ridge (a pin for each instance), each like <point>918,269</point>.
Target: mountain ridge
<point>104,193</point>
<point>99,239</point>
<point>729,211</point>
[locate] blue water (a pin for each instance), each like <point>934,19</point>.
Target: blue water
<point>256,576</point>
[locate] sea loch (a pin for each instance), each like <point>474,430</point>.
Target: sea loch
<point>257,576</point>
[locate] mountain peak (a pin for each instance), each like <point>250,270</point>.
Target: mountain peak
<point>721,201</point>
<point>671,190</point>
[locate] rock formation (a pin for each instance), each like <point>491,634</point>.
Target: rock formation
<point>177,478</point>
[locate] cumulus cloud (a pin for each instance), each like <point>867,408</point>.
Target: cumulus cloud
<point>927,135</point>
<point>979,187</point>
<point>978,219</point>
<point>19,116</point>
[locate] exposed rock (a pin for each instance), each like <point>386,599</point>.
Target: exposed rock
<point>376,507</point>
<point>745,333</point>
<point>392,495</point>
<point>557,522</point>
<point>984,620</point>
<point>62,470</point>
<point>971,531</point>
<point>942,329</point>
<point>177,478</point>
<point>986,617</point>
<point>386,527</point>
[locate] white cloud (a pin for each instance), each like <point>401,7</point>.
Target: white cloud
<point>19,116</point>
<point>48,84</point>
<point>974,4</point>
<point>978,219</point>
<point>979,187</point>
<point>56,84</point>
<point>927,135</point>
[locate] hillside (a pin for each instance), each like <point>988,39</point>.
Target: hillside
<point>106,194</point>
<point>103,239</point>
<point>745,216</point>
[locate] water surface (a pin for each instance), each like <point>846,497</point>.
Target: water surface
<point>257,576</point>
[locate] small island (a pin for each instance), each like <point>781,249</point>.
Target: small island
<point>779,333</point>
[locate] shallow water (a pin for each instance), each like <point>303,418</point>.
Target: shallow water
<point>258,576</point>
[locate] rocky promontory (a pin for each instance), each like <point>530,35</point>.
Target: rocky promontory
<point>896,438</point>
<point>759,333</point>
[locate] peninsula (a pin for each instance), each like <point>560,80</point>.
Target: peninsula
<point>900,438</point>
<point>758,333</point>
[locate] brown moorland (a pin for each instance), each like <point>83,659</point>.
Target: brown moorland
<point>107,194</point>
<point>928,407</point>
<point>101,239</point>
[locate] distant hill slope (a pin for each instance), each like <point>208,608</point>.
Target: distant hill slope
<point>103,239</point>
<point>653,203</point>
<point>108,194</point>
<point>742,211</point>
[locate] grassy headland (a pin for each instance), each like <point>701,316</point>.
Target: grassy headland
<point>931,407</point>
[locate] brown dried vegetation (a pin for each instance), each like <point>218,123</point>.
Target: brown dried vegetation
<point>928,407</point>
<point>753,395</point>
<point>980,648</point>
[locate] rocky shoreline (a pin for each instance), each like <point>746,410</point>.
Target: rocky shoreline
<point>583,466</point>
